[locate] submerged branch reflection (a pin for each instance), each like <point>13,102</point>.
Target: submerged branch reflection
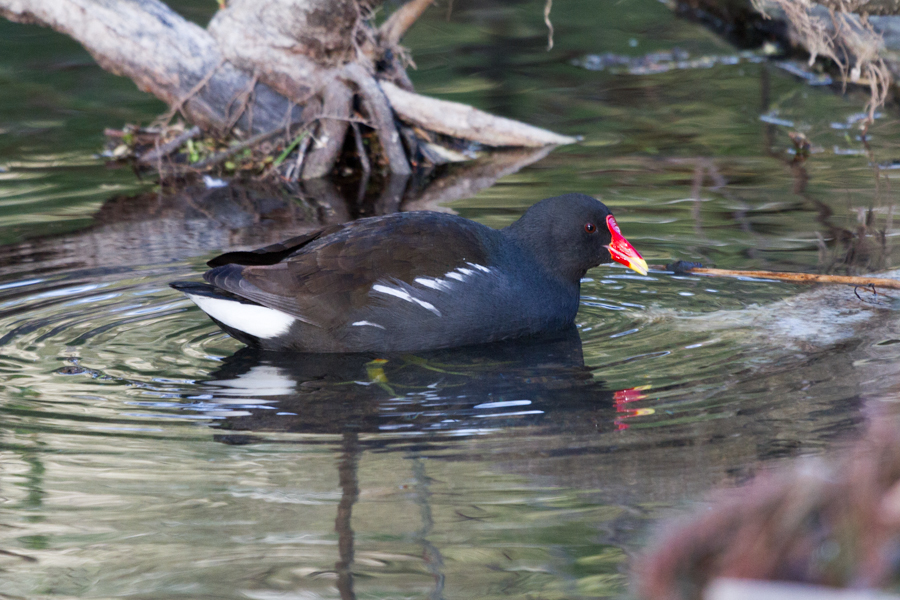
<point>342,524</point>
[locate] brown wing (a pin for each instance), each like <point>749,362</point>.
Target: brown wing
<point>328,279</point>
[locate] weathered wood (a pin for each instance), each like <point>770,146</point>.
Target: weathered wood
<point>379,109</point>
<point>274,44</point>
<point>468,123</point>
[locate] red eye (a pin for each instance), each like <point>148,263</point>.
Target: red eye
<point>590,227</point>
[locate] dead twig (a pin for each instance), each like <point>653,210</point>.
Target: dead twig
<point>297,168</point>
<point>245,104</point>
<point>361,151</point>
<point>167,116</point>
<point>224,155</point>
<point>547,7</point>
<point>869,288</point>
<point>169,147</point>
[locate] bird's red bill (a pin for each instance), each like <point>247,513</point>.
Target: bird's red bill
<point>623,252</point>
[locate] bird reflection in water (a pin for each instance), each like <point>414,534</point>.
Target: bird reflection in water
<point>410,404</point>
<point>540,382</point>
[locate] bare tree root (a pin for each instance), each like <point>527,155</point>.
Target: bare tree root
<point>361,151</point>
<point>379,109</point>
<point>337,102</point>
<point>843,37</point>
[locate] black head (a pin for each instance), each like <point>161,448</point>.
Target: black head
<point>571,233</point>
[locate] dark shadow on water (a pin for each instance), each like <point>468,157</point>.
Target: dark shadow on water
<point>540,382</point>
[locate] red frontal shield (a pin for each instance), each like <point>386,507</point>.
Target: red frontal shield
<point>622,251</point>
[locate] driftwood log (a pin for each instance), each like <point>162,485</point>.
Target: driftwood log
<point>265,65</point>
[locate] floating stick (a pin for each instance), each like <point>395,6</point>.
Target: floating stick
<point>686,268</point>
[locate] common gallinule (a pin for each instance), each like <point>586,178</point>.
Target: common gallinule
<point>414,281</point>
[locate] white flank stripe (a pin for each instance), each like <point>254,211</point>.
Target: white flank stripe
<point>435,284</point>
<point>460,274</point>
<point>404,295</point>
<point>258,321</point>
<point>481,268</point>
<point>396,292</point>
<point>428,306</point>
<point>367,323</point>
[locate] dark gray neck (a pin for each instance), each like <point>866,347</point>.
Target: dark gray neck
<point>539,244</point>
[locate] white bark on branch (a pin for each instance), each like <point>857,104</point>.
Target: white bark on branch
<point>468,123</point>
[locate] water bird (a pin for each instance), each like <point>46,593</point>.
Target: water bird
<point>414,281</point>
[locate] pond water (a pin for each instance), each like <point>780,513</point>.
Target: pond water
<point>143,453</point>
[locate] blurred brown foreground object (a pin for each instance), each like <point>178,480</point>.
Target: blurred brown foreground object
<point>746,589</point>
<point>825,522</point>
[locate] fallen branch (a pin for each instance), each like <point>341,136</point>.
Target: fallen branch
<point>782,276</point>
<point>262,65</point>
<point>464,122</point>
